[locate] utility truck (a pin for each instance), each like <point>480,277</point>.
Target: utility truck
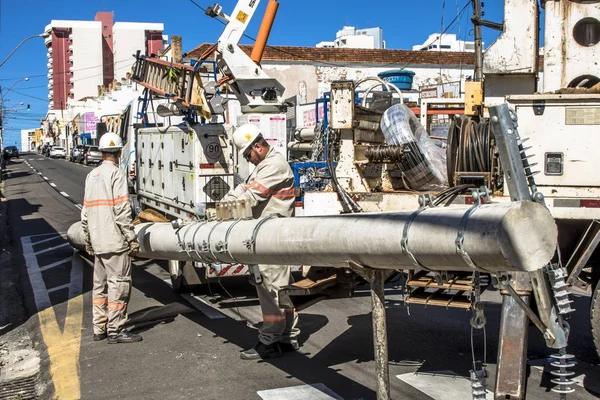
<point>183,165</point>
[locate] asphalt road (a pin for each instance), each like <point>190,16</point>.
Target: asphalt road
<point>191,343</point>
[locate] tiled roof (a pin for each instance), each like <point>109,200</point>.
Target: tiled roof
<point>339,56</point>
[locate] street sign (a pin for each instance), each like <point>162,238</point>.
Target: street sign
<point>90,124</point>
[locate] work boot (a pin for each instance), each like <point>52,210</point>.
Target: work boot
<point>124,337</point>
<point>289,347</point>
<point>100,336</point>
<point>261,351</point>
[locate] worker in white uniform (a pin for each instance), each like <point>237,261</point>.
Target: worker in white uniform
<point>270,190</point>
<point>109,236</point>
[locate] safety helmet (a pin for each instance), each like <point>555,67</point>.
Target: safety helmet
<point>110,143</point>
<point>245,136</point>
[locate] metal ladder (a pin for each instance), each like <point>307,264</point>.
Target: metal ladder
<point>178,82</point>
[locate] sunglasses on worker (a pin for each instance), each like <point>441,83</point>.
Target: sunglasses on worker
<point>247,154</point>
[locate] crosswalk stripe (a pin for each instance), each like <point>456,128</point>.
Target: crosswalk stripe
<point>50,249</point>
<point>55,264</point>
<point>57,288</point>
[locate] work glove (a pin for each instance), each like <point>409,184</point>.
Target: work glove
<point>134,248</point>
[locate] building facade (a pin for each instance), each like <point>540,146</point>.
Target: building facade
<point>447,42</point>
<point>307,72</point>
<point>83,55</point>
<point>351,38</point>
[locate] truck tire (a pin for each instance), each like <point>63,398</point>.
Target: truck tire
<point>595,317</point>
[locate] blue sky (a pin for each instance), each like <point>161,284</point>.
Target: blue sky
<point>298,23</point>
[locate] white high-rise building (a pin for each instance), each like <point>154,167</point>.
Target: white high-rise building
<point>447,42</point>
<point>352,38</point>
<point>83,55</point>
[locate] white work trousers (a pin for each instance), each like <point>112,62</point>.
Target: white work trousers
<point>279,324</point>
<point>111,291</point>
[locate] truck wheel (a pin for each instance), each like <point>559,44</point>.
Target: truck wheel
<point>176,272</point>
<point>595,317</point>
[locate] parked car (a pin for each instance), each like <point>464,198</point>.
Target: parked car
<point>76,153</point>
<point>11,152</point>
<point>58,152</point>
<point>92,155</point>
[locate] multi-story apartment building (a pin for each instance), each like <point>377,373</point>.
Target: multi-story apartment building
<point>83,55</point>
<point>351,38</point>
<point>445,42</point>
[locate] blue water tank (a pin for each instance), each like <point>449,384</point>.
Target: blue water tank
<point>401,78</point>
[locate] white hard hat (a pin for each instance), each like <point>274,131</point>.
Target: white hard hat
<point>110,143</point>
<point>245,136</point>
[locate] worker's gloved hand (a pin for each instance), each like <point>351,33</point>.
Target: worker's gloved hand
<point>134,248</point>
<point>89,249</point>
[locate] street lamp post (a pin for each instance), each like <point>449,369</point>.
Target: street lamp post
<point>11,86</point>
<point>43,35</point>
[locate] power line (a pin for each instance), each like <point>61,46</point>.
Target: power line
<point>32,97</point>
<point>74,80</point>
<point>64,73</point>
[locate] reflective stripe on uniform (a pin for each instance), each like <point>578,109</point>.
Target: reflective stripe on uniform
<point>273,318</point>
<point>106,202</point>
<point>285,194</point>
<point>259,187</point>
<point>117,306</point>
<point>99,301</point>
<point>265,191</point>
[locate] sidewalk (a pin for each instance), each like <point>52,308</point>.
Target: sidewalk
<point>19,359</point>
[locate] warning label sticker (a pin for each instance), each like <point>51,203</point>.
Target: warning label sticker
<point>242,17</point>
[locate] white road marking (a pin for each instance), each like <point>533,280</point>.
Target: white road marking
<point>442,385</point>
<point>54,236</point>
<point>64,194</point>
<point>50,249</point>
<point>40,292</point>
<point>79,206</point>
<point>53,184</point>
<point>39,173</point>
<point>45,178</point>
<point>40,295</point>
<point>57,288</point>
<point>55,264</point>
<point>316,391</point>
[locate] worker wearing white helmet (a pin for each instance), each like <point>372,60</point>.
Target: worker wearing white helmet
<point>106,221</point>
<point>270,190</point>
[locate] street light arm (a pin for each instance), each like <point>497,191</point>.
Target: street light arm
<point>17,48</point>
<point>13,85</point>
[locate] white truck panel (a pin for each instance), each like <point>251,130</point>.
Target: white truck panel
<point>563,131</point>
<point>180,172</point>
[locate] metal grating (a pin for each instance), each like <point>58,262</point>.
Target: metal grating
<point>216,188</point>
<point>22,389</point>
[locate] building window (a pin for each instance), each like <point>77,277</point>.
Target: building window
<point>105,27</point>
<point>105,69</point>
